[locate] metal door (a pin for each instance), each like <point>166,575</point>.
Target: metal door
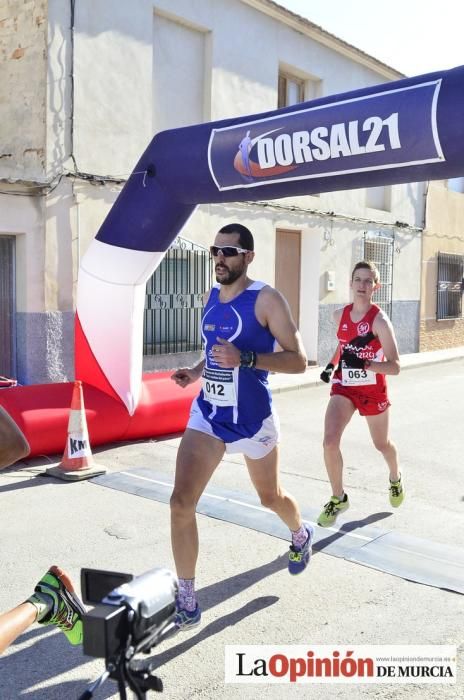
<point>7,307</point>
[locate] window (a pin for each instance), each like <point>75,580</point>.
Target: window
<point>174,300</point>
<point>449,286</point>
<point>291,90</point>
<point>295,86</point>
<point>379,248</point>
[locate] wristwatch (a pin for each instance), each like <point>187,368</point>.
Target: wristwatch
<point>248,358</point>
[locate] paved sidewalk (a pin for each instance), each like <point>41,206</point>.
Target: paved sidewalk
<point>286,382</point>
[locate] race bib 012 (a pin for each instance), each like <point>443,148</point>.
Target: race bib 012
<point>218,387</point>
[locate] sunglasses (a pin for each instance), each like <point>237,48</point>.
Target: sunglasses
<point>228,251</point>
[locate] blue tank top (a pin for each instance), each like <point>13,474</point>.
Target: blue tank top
<point>236,395</point>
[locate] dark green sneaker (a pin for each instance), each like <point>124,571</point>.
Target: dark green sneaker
<point>396,493</point>
<point>55,595</point>
<point>332,509</point>
<point>186,619</point>
<point>298,557</point>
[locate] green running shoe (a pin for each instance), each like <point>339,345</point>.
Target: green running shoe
<point>396,494</point>
<point>332,509</point>
<point>65,610</point>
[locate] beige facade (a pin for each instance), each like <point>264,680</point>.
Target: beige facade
<point>444,233</point>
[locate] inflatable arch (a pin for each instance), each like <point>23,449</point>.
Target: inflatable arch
<point>405,131</point>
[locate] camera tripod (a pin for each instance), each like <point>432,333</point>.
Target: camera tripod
<point>131,672</point>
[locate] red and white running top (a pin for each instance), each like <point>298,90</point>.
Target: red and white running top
<point>358,338</point>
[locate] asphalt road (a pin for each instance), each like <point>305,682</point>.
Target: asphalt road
<point>244,588</point>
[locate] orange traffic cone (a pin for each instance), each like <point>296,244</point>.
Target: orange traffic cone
<point>77,462</point>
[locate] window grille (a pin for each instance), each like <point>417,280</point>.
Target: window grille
<point>449,286</point>
<point>379,249</point>
<point>174,300</point>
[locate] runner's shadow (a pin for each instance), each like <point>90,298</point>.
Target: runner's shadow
<point>219,625</point>
<point>71,690</point>
<point>40,479</point>
<point>22,670</point>
<point>216,593</point>
<point>348,527</point>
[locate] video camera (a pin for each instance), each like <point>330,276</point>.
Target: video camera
<point>131,616</point>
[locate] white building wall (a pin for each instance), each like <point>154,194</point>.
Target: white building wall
<point>113,85</point>
<point>185,69</point>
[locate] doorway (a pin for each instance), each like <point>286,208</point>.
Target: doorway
<point>7,307</point>
<point>287,268</point>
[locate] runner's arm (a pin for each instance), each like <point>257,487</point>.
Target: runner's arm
<point>326,374</point>
<point>272,310</point>
<point>383,329</point>
<point>187,375</point>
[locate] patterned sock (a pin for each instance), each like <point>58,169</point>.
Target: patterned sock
<point>299,536</point>
<point>43,603</point>
<point>186,596</point>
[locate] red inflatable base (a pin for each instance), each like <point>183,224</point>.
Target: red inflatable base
<point>42,412</point>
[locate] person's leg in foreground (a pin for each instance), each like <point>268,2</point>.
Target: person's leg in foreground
<point>54,602</point>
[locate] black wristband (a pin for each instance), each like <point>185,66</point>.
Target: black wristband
<point>248,359</point>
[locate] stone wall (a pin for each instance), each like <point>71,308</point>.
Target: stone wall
<point>23,69</point>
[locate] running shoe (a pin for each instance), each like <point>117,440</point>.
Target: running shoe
<point>396,490</point>
<point>298,557</point>
<point>332,509</point>
<point>185,619</point>
<point>56,590</point>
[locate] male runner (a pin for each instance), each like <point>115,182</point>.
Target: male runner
<point>367,351</point>
<point>242,320</point>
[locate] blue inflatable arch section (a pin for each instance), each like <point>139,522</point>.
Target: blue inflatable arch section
<point>405,131</point>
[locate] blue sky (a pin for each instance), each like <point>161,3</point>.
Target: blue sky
<point>412,36</point>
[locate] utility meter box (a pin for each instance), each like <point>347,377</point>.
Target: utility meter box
<point>330,280</point>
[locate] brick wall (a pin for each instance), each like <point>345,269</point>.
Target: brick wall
<point>439,335</point>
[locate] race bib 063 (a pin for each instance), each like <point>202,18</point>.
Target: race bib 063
<point>357,377</point>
